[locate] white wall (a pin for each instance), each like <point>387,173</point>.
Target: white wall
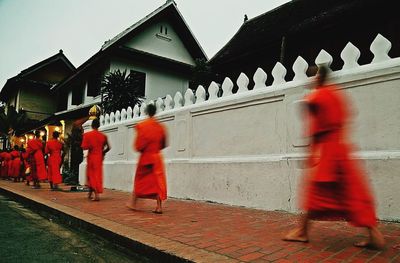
<point>166,45</point>
<point>158,83</point>
<point>245,149</point>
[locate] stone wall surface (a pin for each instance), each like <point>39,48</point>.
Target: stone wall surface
<point>247,148</point>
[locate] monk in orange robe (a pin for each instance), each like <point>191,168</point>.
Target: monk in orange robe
<point>335,185</point>
<point>5,168</point>
<point>15,163</point>
<point>53,149</point>
<point>34,150</point>
<point>97,144</point>
<point>150,181</point>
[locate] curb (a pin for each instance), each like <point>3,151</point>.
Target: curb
<point>151,246</point>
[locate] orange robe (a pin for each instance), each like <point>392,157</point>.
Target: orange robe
<point>150,181</point>
<point>5,168</point>
<point>37,164</point>
<point>15,164</point>
<point>53,148</point>
<point>94,141</point>
<point>336,187</point>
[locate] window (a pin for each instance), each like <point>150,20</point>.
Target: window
<point>139,81</point>
<point>77,95</point>
<point>161,29</point>
<point>94,85</point>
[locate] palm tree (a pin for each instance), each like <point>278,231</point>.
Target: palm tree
<point>11,121</point>
<point>120,90</point>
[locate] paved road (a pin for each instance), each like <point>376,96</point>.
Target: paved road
<point>28,237</point>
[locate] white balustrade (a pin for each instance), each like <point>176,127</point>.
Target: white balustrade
<point>200,94</point>
<point>300,67</point>
<point>123,114</point>
<point>350,55</point>
<point>178,99</point>
<point>136,111</point>
<point>227,87</point>
<point>380,47</point>
<point>117,116</point>
<point>129,113</point>
<point>260,77</point>
<point>242,82</point>
<point>213,91</point>
<point>112,117</point>
<point>168,102</point>
<point>278,73</point>
<point>160,105</point>
<point>324,59</point>
<point>143,109</point>
<point>189,97</point>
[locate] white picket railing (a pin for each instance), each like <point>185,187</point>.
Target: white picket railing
<point>380,47</point>
<point>244,148</point>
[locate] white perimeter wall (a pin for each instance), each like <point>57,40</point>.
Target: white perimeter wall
<point>246,148</point>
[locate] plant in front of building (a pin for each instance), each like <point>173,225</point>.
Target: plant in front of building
<point>11,122</point>
<point>120,90</point>
<point>72,146</point>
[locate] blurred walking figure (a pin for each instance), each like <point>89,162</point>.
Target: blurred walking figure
<point>15,165</point>
<point>150,179</point>
<point>335,187</point>
<point>34,153</point>
<point>97,144</point>
<point>53,149</point>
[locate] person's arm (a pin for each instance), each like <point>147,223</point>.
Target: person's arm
<point>85,143</point>
<point>140,142</point>
<point>106,147</point>
<point>164,142</point>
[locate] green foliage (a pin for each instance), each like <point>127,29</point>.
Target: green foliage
<point>120,90</point>
<point>12,121</point>
<point>202,74</point>
<point>72,145</point>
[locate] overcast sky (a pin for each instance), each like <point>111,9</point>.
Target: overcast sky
<point>33,30</point>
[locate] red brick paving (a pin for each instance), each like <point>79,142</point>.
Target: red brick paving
<point>214,230</point>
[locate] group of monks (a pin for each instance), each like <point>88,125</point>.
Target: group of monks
<point>334,186</point>
<point>29,164</point>
<point>150,179</point>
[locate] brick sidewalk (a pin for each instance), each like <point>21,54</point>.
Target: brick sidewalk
<point>205,232</point>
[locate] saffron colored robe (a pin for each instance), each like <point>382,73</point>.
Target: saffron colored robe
<point>53,148</point>
<point>336,186</point>
<point>5,167</point>
<point>37,164</point>
<point>94,141</point>
<point>150,181</point>
<point>15,164</point>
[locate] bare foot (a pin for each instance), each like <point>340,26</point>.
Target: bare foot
<point>296,235</point>
<point>376,240</point>
<point>130,206</point>
<point>367,244</point>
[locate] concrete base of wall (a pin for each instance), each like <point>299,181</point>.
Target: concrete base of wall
<point>254,182</point>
